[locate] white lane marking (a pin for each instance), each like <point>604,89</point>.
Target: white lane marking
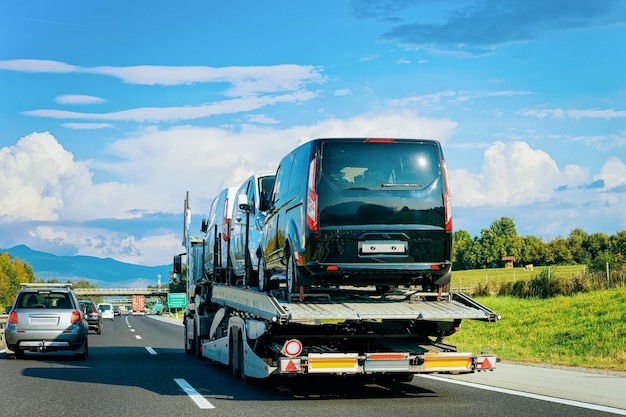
<point>193,394</point>
<point>132,330</point>
<point>531,395</point>
<point>150,350</point>
<point>137,336</point>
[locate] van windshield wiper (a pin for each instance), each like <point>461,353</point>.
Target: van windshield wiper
<point>401,185</point>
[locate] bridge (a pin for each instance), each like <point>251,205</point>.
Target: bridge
<point>105,292</point>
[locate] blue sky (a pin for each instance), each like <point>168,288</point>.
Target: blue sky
<point>110,111</point>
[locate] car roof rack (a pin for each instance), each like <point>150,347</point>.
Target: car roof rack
<point>46,285</point>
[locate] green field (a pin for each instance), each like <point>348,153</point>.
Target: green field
<point>584,330</point>
<point>466,281</point>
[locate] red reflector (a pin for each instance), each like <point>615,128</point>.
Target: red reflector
<point>435,267</point>
<point>291,367</point>
<point>378,140</point>
<point>332,268</point>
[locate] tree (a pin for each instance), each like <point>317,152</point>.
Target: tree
<point>576,244</point>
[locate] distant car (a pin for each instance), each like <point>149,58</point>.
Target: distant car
<point>92,315</point>
<point>116,311</point>
<point>107,310</point>
<point>44,318</point>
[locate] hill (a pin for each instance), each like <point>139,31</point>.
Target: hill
<point>101,272</point>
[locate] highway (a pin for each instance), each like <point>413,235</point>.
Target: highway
<point>137,367</point>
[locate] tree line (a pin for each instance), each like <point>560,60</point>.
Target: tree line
<point>596,250</point>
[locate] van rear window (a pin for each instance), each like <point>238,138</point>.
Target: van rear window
<point>376,166</point>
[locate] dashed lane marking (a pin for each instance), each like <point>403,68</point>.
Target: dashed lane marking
<point>193,394</point>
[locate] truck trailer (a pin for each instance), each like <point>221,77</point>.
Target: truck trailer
<point>335,330</point>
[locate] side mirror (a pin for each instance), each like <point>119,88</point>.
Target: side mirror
<point>204,226</point>
<point>178,264</point>
<point>243,203</point>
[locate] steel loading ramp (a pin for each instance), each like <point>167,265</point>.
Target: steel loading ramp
<point>350,305</point>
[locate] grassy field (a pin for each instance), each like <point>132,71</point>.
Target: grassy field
<point>465,281</point>
<point>584,330</point>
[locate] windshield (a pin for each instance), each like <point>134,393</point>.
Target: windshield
<point>376,166</point>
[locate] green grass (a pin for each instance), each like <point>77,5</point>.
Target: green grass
<point>584,330</point>
<point>465,281</point>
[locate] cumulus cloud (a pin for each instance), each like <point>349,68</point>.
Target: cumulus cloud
<point>513,174</point>
<point>612,174</point>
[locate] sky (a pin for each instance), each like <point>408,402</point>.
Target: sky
<point>110,111</point>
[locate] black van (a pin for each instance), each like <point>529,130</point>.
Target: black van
<point>359,212</point>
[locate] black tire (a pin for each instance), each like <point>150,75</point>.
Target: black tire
<point>235,368</point>
<point>292,276</point>
<point>189,345</point>
<point>262,280</point>
<point>85,351</point>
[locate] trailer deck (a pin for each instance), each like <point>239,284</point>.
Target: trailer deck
<point>355,304</point>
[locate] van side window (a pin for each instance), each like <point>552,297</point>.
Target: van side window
<point>300,168</point>
<point>282,177</point>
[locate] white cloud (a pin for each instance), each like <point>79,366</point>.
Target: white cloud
<point>513,174</point>
<point>78,99</point>
<point>87,126</point>
<point>453,97</point>
<point>160,114</point>
<point>613,173</point>
<point>574,113</point>
<point>245,80</point>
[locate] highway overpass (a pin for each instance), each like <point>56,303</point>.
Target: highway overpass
<point>106,292</point>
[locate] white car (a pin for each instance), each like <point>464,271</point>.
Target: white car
<point>107,310</point>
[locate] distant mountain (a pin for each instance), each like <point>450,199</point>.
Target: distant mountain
<point>101,272</point>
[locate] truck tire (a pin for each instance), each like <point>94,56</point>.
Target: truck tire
<point>291,275</point>
<point>262,276</point>
<point>189,345</point>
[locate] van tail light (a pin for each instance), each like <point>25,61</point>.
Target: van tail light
<point>76,317</point>
<point>12,317</point>
<point>311,199</point>
<point>447,200</point>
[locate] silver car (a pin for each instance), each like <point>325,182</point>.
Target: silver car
<point>46,317</point>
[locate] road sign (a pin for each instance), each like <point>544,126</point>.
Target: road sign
<point>176,300</point>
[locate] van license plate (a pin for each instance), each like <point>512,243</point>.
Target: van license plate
<point>382,246</point>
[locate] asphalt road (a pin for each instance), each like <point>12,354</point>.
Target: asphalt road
<point>137,367</point>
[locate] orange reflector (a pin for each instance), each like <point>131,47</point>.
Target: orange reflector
<point>327,363</point>
<point>447,361</point>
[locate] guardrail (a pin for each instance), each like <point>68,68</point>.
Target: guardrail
<point>3,320</point>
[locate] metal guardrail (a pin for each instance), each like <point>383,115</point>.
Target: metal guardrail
<point>3,320</point>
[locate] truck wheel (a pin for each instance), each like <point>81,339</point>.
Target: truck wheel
<point>233,356</point>
<point>262,276</point>
<point>187,343</point>
<point>292,279</point>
